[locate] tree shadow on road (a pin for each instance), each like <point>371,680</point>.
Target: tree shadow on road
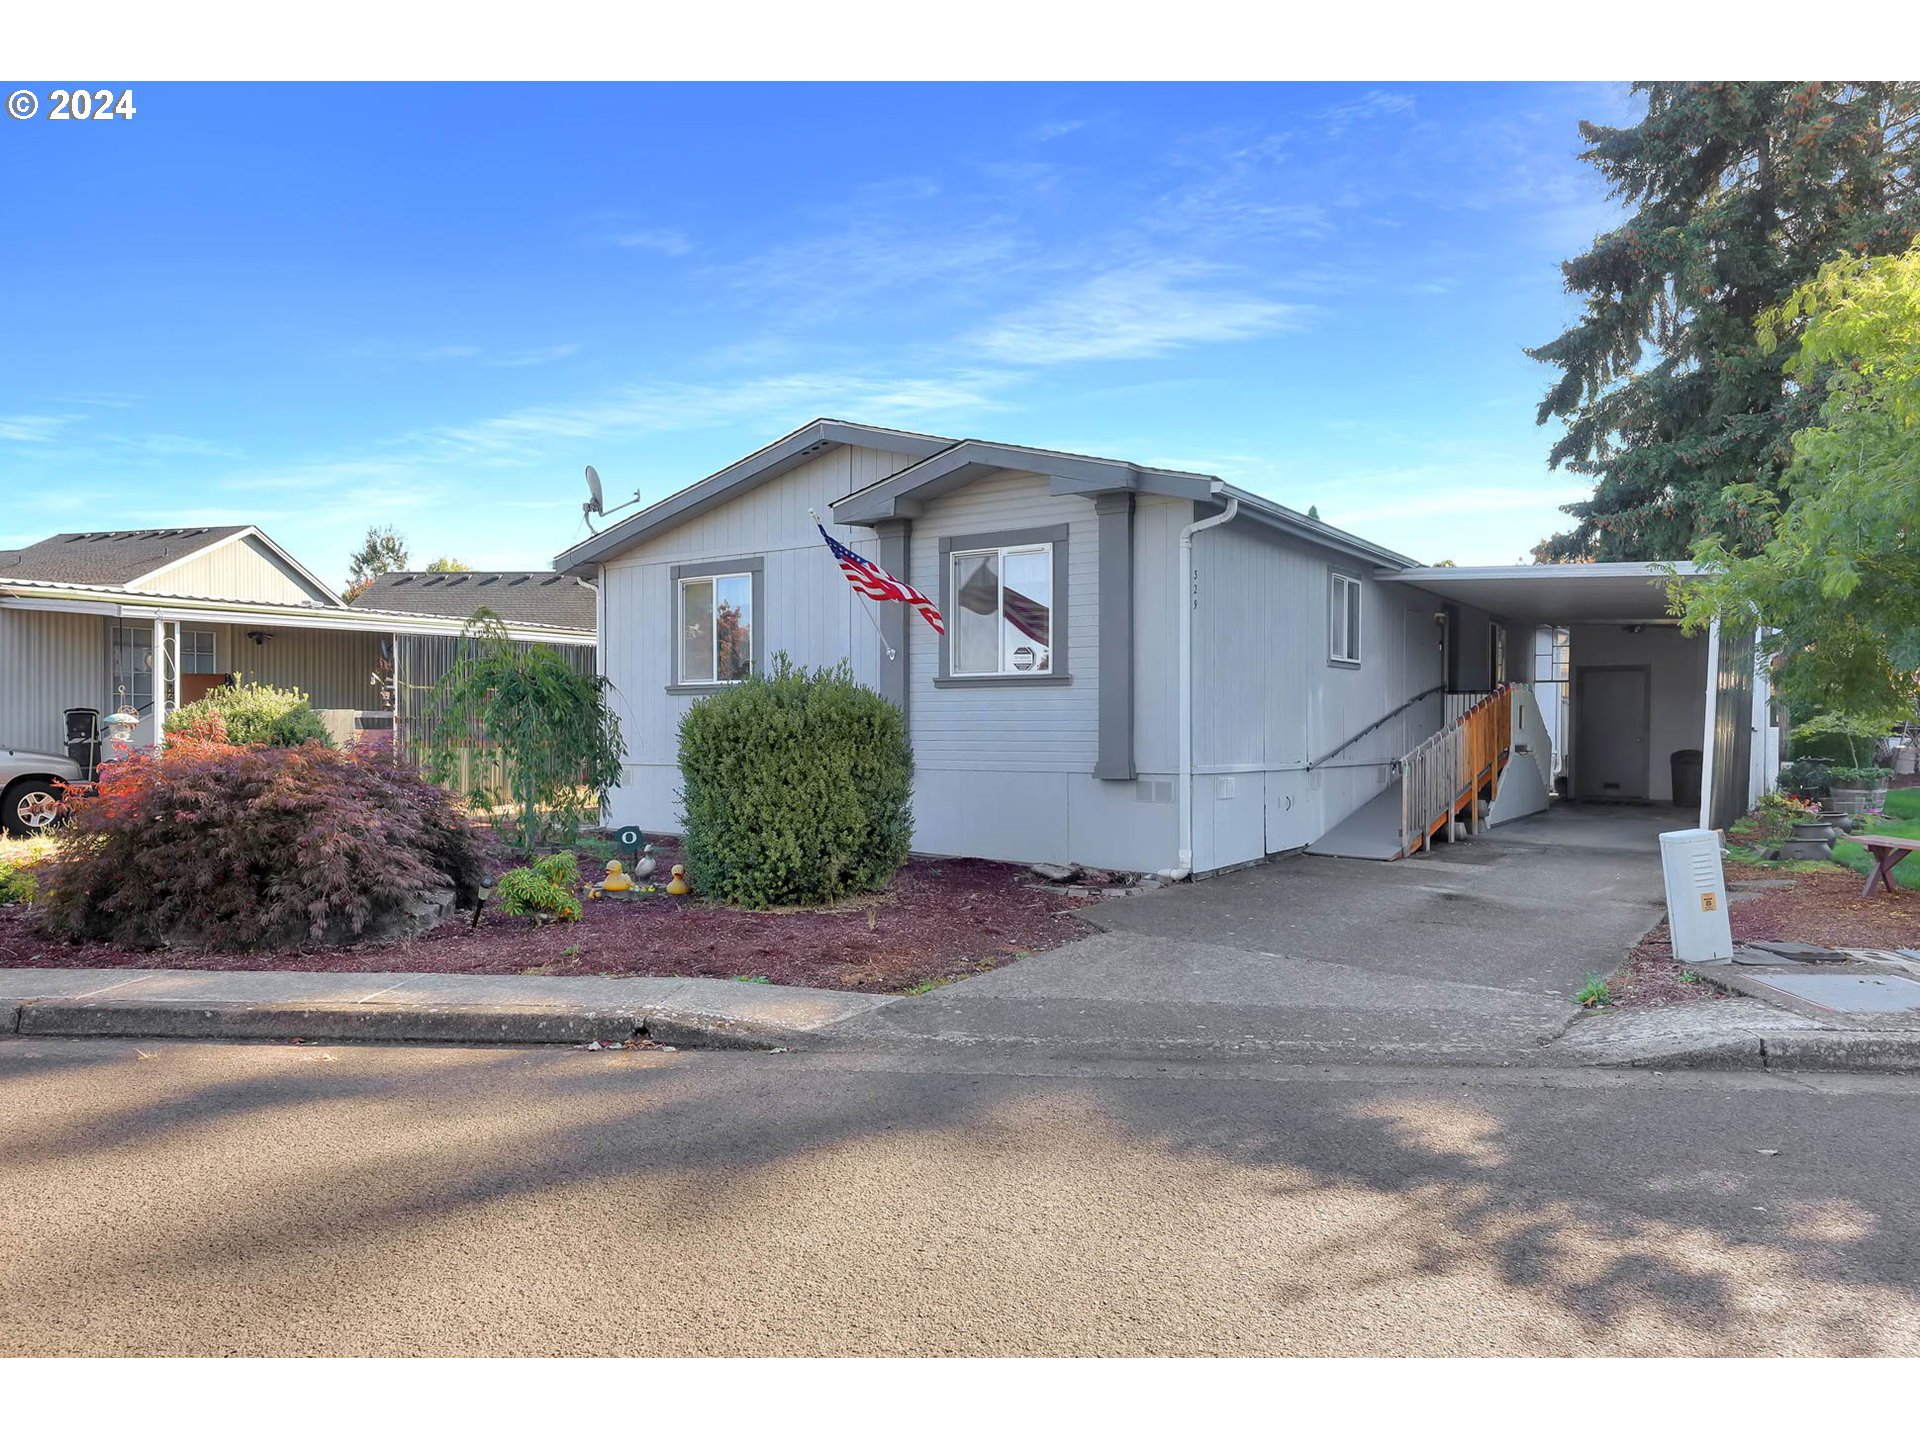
<point>1203,1215</point>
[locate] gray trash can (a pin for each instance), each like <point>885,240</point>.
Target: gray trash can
<point>1686,777</point>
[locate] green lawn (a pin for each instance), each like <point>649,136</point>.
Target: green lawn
<point>1902,819</point>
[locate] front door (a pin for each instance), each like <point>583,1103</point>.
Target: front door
<point>1610,732</point>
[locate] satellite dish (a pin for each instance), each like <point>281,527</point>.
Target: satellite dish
<point>596,504</point>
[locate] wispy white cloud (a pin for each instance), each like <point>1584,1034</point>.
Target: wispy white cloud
<point>33,429</point>
<point>1374,105</point>
<point>659,407</point>
<point>501,359</point>
<point>1054,129</point>
<point>1139,311</point>
<point>664,242</point>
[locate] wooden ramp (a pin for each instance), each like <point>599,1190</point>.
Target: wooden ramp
<point>1441,787</point>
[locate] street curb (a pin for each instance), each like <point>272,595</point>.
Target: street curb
<point>246,1020</point>
<point>1885,1052</point>
<point>448,1024</point>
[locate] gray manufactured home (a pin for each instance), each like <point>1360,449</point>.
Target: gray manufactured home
<point>1047,721</point>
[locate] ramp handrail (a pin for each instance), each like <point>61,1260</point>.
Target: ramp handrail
<point>1447,769</point>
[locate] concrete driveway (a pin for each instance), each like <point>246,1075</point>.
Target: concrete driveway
<point>1471,954</point>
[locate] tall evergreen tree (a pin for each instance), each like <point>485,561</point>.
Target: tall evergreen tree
<point>1741,192</point>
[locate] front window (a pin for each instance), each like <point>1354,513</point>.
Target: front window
<point>196,652</point>
<point>133,667</point>
<point>716,629</point>
<point>1343,646</point>
<point>1003,611</point>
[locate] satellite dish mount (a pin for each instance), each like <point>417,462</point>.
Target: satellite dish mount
<point>596,503</point>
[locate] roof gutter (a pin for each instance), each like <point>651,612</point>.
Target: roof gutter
<point>239,612</point>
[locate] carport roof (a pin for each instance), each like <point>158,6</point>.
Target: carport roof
<point>1631,590</point>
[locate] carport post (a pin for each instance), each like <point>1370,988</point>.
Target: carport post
<point>1706,743</point>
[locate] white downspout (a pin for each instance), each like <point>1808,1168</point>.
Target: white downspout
<point>1185,868</point>
<point>1707,740</point>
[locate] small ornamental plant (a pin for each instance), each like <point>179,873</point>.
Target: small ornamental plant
<point>251,847</point>
<point>796,789</point>
<point>548,889</point>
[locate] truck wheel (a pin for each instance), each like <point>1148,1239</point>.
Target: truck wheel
<point>30,807</point>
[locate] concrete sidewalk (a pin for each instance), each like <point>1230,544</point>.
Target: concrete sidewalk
<point>497,1009</point>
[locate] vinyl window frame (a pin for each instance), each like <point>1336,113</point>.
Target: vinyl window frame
<point>1346,620</point>
<point>753,567</point>
<point>1057,672</point>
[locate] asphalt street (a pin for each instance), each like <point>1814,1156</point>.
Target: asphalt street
<point>202,1198</point>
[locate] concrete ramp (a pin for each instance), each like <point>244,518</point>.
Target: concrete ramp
<point>1370,833</point>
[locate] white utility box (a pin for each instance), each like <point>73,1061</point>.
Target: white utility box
<point>1696,896</point>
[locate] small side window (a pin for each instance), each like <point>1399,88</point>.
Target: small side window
<point>1343,615</point>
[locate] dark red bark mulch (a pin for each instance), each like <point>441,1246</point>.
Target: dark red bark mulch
<point>940,920</point>
<point>1819,908</point>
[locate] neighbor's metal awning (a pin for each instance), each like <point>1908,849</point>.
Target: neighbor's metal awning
<point>1619,592</point>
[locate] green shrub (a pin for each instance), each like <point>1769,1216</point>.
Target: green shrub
<point>547,889</point>
<point>249,715</point>
<point>1808,775</point>
<point>796,788</point>
<point>16,885</point>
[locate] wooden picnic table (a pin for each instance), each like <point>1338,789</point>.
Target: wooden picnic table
<point>1887,851</point>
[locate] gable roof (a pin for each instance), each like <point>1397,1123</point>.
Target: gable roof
<point>110,557</point>
<point>519,597</point>
<point>902,492</point>
<point>127,557</point>
<point>770,461</point>
<point>943,465</point>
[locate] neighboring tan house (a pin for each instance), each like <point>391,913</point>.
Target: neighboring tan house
<point>1142,669</point>
<point>153,619</point>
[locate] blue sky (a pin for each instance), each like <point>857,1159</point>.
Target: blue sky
<point>320,307</point>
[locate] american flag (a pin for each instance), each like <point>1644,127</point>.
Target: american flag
<point>876,584</point>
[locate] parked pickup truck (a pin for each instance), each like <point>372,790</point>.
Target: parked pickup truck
<point>30,786</point>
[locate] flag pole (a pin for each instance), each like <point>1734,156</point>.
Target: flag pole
<point>872,618</point>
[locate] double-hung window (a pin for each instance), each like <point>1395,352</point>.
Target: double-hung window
<point>1002,611</point>
<point>1343,613</point>
<point>715,629</point>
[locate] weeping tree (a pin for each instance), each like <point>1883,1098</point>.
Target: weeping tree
<point>536,741</point>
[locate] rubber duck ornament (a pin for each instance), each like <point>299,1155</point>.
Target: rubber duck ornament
<point>617,879</point>
<point>678,884</point>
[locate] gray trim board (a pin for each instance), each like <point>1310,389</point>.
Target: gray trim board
<point>766,463</point>
<point>1113,759</point>
<point>1058,672</point>
<point>754,565</point>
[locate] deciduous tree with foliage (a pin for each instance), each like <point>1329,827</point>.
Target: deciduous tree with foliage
<point>533,736</point>
<point>1840,574</point>
<point>381,551</point>
<point>1740,192</point>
